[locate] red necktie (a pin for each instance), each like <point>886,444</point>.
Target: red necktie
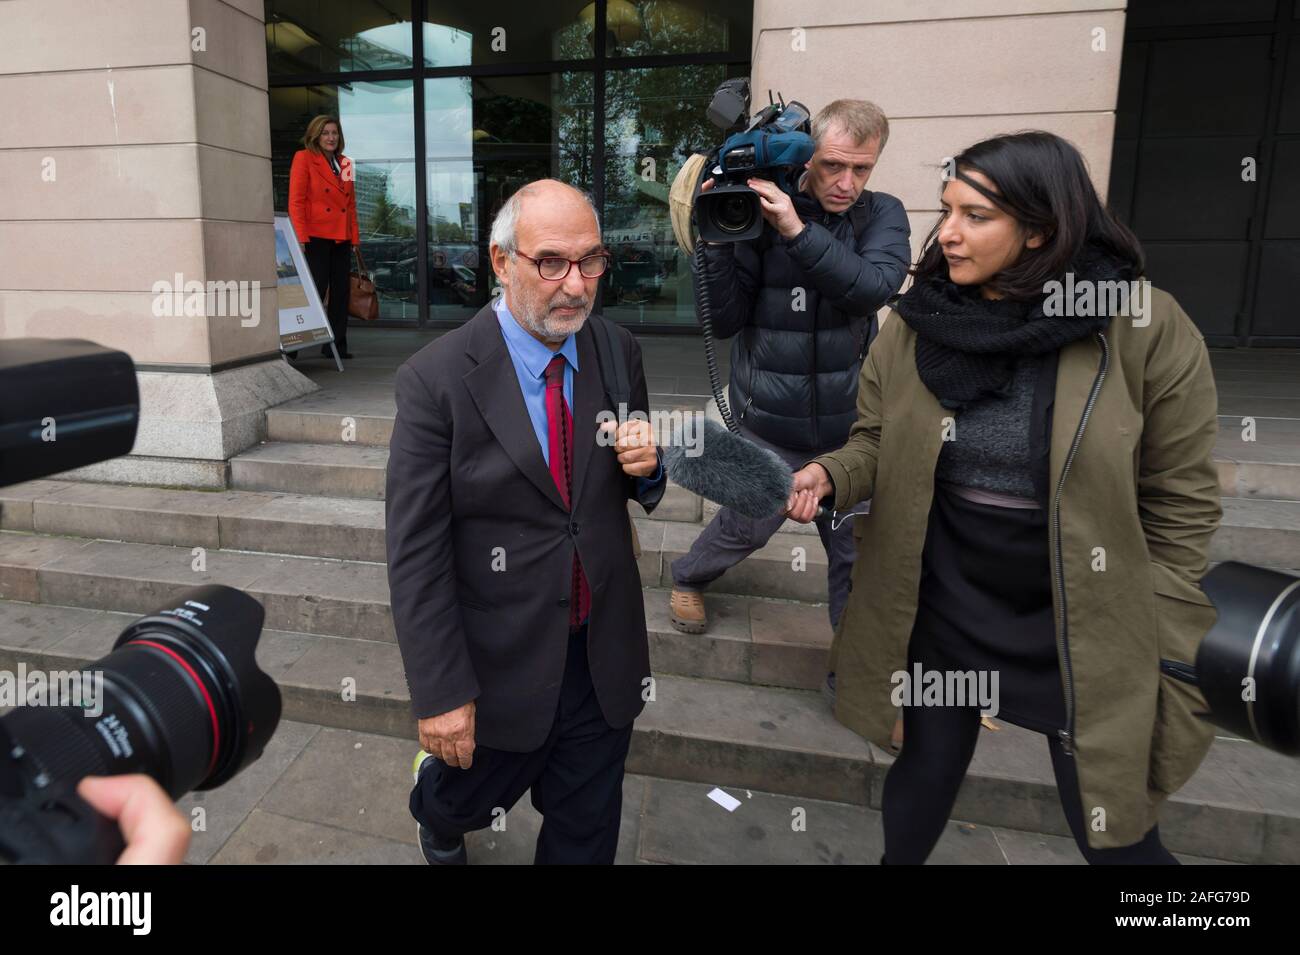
<point>559,427</point>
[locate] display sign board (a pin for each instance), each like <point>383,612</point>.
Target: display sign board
<point>302,315</point>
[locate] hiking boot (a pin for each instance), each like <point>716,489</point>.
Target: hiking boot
<point>686,608</point>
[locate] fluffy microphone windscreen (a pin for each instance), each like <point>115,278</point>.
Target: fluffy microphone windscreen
<point>731,471</point>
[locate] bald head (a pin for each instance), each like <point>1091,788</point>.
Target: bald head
<point>546,203</point>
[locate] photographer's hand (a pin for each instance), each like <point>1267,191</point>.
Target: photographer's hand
<point>155,831</point>
<point>778,210</point>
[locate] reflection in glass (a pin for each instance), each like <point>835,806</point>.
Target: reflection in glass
<point>380,138</point>
<point>325,36</point>
<point>654,119</point>
<point>486,137</point>
<point>504,31</point>
<point>665,27</point>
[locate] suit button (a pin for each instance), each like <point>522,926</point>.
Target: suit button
<point>562,602</point>
<point>328,209</point>
<point>573,528</point>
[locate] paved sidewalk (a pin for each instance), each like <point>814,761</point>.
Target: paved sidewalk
<point>321,795</point>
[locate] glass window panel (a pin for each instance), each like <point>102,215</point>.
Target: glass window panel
<point>654,120</point>
<point>664,27</point>
<point>325,36</point>
<point>378,121</point>
<point>504,31</point>
<point>485,138</point>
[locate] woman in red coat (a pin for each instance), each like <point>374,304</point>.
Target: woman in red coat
<point>323,210</point>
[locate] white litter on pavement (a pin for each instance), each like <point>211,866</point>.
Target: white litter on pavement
<point>725,800</point>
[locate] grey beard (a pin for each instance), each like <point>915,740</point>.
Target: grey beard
<point>536,325</point>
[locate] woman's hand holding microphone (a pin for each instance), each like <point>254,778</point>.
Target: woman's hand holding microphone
<point>811,484</point>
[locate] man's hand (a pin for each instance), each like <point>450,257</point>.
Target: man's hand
<point>450,736</point>
<point>153,828</point>
<point>634,443</point>
<point>811,484</point>
<point>777,208</point>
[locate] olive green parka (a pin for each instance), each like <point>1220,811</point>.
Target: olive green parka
<point>1134,502</point>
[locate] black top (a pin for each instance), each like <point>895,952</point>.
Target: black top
<point>986,605</point>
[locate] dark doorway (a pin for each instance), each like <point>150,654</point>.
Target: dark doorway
<point>1207,151</point>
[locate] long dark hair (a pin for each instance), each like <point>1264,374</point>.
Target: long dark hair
<point>1042,183</point>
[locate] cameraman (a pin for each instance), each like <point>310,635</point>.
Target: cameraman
<point>801,300</point>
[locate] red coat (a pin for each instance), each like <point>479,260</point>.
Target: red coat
<point>322,204</point>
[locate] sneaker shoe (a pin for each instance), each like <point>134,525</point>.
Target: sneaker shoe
<point>686,609</point>
<point>432,848</point>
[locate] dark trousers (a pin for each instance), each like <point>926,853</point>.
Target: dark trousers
<point>330,263</point>
<point>921,787</point>
<point>576,778</point>
<point>731,537</point>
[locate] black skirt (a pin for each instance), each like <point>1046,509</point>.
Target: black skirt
<point>986,605</point>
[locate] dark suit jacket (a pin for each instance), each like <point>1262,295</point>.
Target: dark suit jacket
<point>480,544</point>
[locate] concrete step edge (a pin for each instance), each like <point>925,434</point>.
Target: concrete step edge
<point>1240,834</point>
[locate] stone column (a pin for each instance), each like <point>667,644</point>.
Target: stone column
<point>135,152</point>
<point>948,75</point>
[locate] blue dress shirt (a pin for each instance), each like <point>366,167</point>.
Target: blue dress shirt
<point>530,358</point>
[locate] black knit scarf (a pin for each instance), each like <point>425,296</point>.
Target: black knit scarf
<point>967,346</point>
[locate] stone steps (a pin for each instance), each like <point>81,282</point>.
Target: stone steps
<point>1267,465</point>
<point>1241,805</point>
<point>284,520</point>
<point>366,413</point>
<point>781,643</point>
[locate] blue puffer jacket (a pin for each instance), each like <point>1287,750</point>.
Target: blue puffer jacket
<point>794,373</point>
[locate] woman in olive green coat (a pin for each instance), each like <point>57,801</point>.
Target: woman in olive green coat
<point>1034,432</point>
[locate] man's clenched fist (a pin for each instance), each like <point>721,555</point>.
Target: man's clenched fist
<point>634,443</point>
<point>450,736</point>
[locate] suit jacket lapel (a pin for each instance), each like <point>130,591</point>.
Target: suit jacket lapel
<point>322,165</point>
<point>327,172</point>
<point>493,385</point>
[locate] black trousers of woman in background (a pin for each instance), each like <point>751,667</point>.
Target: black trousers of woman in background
<point>985,605</point>
<point>330,264</point>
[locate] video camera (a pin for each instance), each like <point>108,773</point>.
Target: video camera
<point>181,697</point>
<point>774,145</point>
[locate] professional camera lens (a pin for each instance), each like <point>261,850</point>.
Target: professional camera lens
<point>734,213</point>
<point>1248,665</point>
<point>182,699</point>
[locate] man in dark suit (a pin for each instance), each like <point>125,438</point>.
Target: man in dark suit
<point>515,592</point>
